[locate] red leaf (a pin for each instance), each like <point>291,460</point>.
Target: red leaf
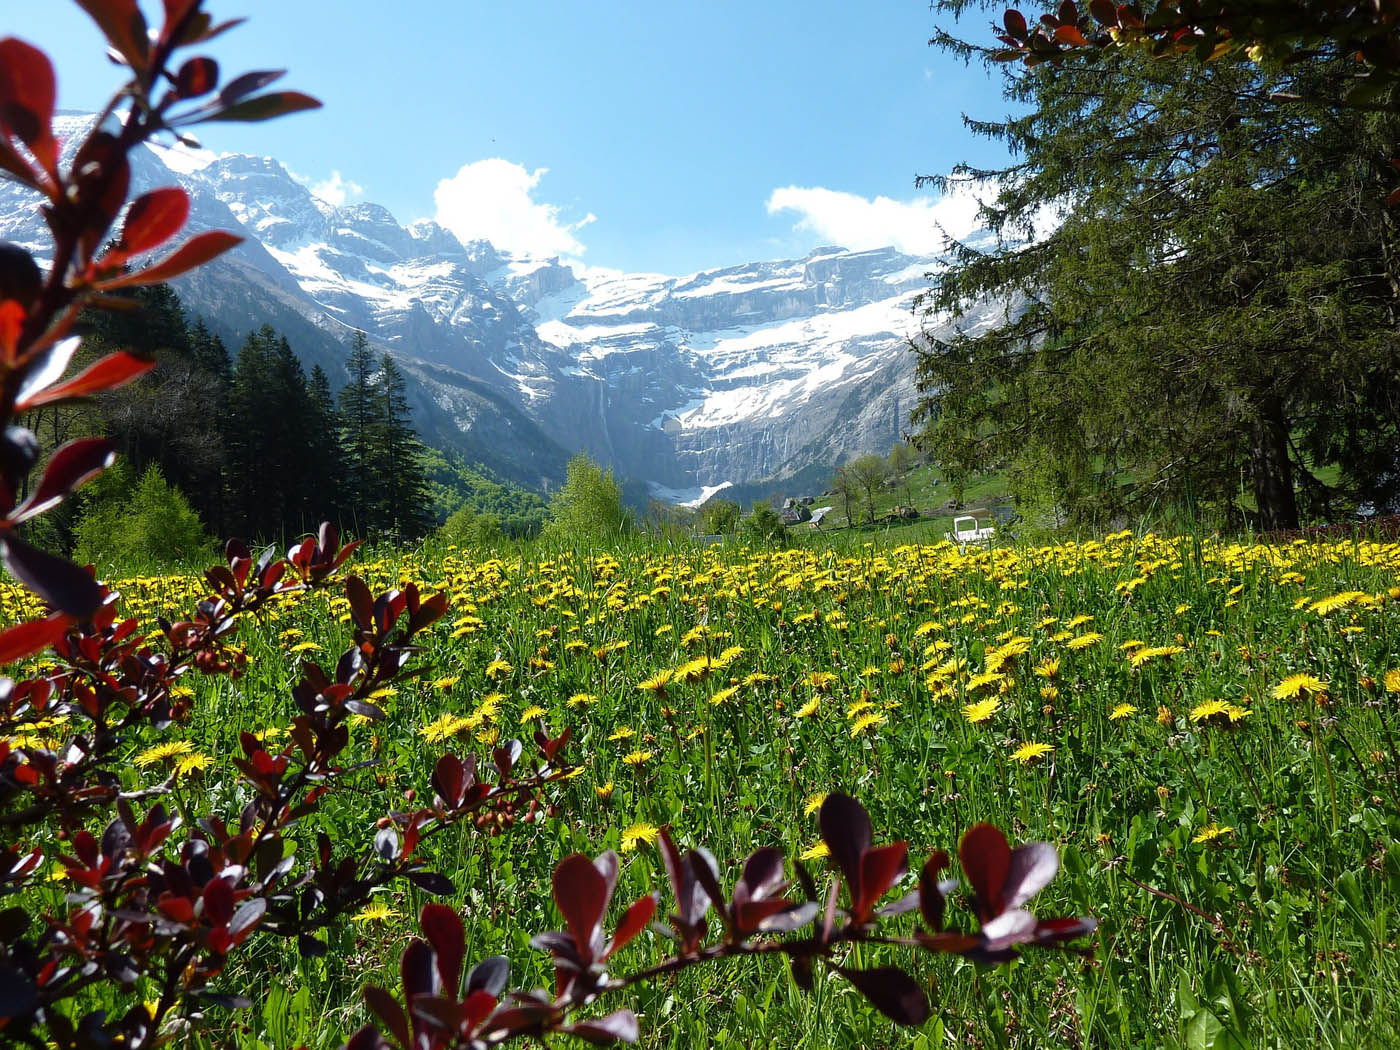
<point>845,828</point>
<point>619,1026</point>
<point>1015,23</point>
<point>985,859</point>
<point>581,893</point>
<point>879,867</point>
<point>1033,865</point>
<point>634,921</point>
<point>265,107</point>
<point>387,1009</point>
<point>476,1007</point>
<point>26,639</point>
<point>931,901</point>
<point>243,85</point>
<point>27,94</point>
<point>197,77</point>
<point>124,26</point>
<point>62,584</point>
<point>153,219</point>
<point>443,929</point>
<point>762,876</point>
<point>218,901</point>
<point>69,467</point>
<point>361,602</point>
<point>891,991</point>
<point>449,780</point>
<point>110,372</point>
<point>1070,36</point>
<point>197,251</point>
<point>1104,12</point>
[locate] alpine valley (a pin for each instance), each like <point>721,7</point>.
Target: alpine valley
<point>743,374</point>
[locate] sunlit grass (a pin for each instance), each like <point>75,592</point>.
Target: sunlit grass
<point>1213,720</point>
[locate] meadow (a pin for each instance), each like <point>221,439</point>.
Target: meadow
<point>1204,728</point>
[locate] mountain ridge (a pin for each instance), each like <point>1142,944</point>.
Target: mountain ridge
<point>727,375</point>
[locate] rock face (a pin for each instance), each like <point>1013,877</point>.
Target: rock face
<point>727,375</point>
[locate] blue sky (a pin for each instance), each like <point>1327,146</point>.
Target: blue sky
<point>641,136</point>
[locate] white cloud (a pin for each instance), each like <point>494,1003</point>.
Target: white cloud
<point>916,227</point>
<point>492,200</point>
<point>336,190</point>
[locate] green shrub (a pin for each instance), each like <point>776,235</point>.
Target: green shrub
<point>146,523</point>
<point>589,506</point>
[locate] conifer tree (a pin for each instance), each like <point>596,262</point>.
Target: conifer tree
<point>1203,313</point>
<point>324,456</point>
<point>405,506</point>
<point>360,422</point>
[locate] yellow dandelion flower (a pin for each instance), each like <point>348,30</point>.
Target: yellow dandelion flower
<point>808,709</point>
<point>187,764</point>
<point>636,758</point>
<point>982,710</point>
<point>1164,715</point>
<point>1207,710</point>
<point>813,803</point>
<point>1048,668</point>
<point>724,695</point>
<point>1295,684</point>
<point>1392,681</point>
<point>582,699</point>
<point>817,852</point>
<point>657,682</point>
<point>446,683</point>
<point>445,726</point>
<point>757,678</point>
<point>1030,752</point>
<point>603,791</point>
<point>305,647</point>
<point>1121,712</point>
<point>622,733</point>
<point>1333,602</point>
<point>376,911</point>
<point>1212,832</point>
<point>638,833</point>
<point>163,752</point>
<point>1083,641</point>
<point>1149,653</point>
<point>532,712</point>
<point>864,722</point>
<point>498,667</point>
<point>489,736</point>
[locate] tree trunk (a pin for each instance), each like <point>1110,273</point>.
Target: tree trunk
<point>1271,470</point>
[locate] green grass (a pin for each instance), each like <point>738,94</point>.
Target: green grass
<point>1306,885</point>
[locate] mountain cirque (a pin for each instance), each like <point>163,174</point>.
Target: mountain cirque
<point>727,375</point>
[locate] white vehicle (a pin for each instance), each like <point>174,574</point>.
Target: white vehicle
<point>966,530</point>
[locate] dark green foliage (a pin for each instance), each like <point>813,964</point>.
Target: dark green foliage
<point>359,414</point>
<point>454,484</point>
<point>402,504</point>
<point>719,517</point>
<point>385,481</point>
<point>1211,320</point>
<point>764,526</point>
<point>466,528</point>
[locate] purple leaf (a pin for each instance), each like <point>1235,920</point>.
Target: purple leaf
<point>617,1027</point>
<point>1033,865</point>
<point>845,828</point>
<point>891,991</point>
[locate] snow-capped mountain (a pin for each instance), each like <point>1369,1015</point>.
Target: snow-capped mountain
<point>728,375</point>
